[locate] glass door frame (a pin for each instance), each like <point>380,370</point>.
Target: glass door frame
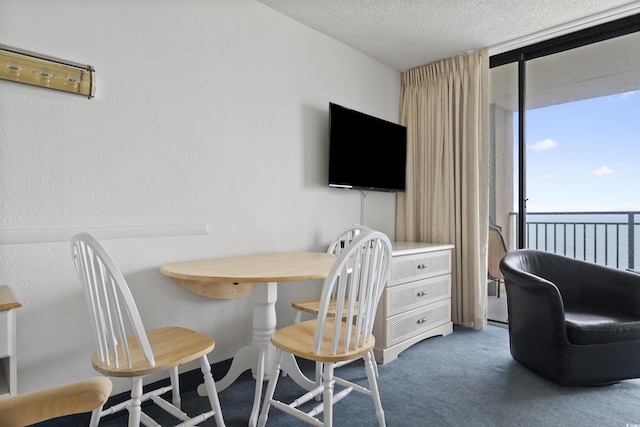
<point>598,33</point>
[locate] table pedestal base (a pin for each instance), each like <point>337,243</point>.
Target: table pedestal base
<point>259,355</point>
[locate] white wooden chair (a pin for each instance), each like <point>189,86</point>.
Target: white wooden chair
<point>310,305</point>
<point>346,236</point>
<point>357,279</point>
<point>125,349</point>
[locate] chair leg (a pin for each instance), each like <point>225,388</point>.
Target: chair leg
<point>298,319</point>
<point>373,386</point>
<point>136,397</point>
<point>327,395</point>
<point>175,384</point>
<point>210,385</point>
<point>95,417</point>
<point>318,373</point>
<point>340,364</point>
<point>271,387</point>
<point>375,365</point>
<point>257,394</point>
<point>497,283</point>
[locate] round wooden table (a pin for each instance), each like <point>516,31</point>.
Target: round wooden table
<point>263,272</point>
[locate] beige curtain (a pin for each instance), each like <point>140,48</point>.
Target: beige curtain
<point>445,108</point>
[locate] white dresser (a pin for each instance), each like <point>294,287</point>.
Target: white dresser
<point>417,301</point>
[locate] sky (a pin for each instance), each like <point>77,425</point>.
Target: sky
<point>585,155</point>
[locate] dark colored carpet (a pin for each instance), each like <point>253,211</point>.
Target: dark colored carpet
<point>465,379</point>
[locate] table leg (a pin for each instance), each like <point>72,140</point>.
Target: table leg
<point>264,297</point>
<point>290,366</point>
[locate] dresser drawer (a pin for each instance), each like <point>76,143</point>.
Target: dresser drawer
<point>412,295</point>
<point>414,322</point>
<point>413,267</point>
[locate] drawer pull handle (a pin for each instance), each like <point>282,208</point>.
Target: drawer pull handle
<point>422,293</point>
<point>422,266</point>
<point>421,321</point>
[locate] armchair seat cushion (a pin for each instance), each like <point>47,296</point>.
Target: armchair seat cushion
<point>594,325</point>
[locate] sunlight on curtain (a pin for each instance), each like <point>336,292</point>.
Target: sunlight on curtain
<point>445,108</point>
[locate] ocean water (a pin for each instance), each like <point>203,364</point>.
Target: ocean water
<point>611,239</point>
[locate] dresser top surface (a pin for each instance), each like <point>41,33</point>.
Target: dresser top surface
<point>408,248</point>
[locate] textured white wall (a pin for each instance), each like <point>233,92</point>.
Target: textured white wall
<point>206,112</point>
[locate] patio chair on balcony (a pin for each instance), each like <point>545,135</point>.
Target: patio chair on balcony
<point>571,321</point>
<point>497,250</point>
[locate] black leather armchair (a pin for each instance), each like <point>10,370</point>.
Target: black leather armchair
<point>571,321</point>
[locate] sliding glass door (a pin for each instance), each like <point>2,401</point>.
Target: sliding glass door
<point>582,151</point>
<point>565,143</point>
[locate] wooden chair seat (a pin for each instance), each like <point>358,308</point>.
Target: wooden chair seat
<point>172,346</point>
<point>298,340</point>
<point>311,306</point>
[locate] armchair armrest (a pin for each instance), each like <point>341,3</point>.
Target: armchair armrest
<point>75,398</point>
<point>536,308</point>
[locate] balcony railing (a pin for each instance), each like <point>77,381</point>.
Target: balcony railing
<point>609,238</point>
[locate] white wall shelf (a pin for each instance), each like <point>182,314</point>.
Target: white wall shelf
<point>8,362</point>
<point>9,237</point>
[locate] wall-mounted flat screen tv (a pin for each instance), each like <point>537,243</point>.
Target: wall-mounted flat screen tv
<point>365,152</point>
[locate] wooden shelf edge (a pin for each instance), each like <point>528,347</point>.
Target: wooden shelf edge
<point>7,300</point>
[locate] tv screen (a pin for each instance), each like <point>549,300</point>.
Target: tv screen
<point>365,152</point>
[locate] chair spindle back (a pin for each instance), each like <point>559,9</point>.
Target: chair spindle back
<point>345,237</point>
<point>356,282</point>
<point>112,309</point>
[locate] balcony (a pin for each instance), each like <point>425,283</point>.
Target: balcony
<point>608,238</point>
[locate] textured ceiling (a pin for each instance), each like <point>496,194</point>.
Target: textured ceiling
<point>406,34</point>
